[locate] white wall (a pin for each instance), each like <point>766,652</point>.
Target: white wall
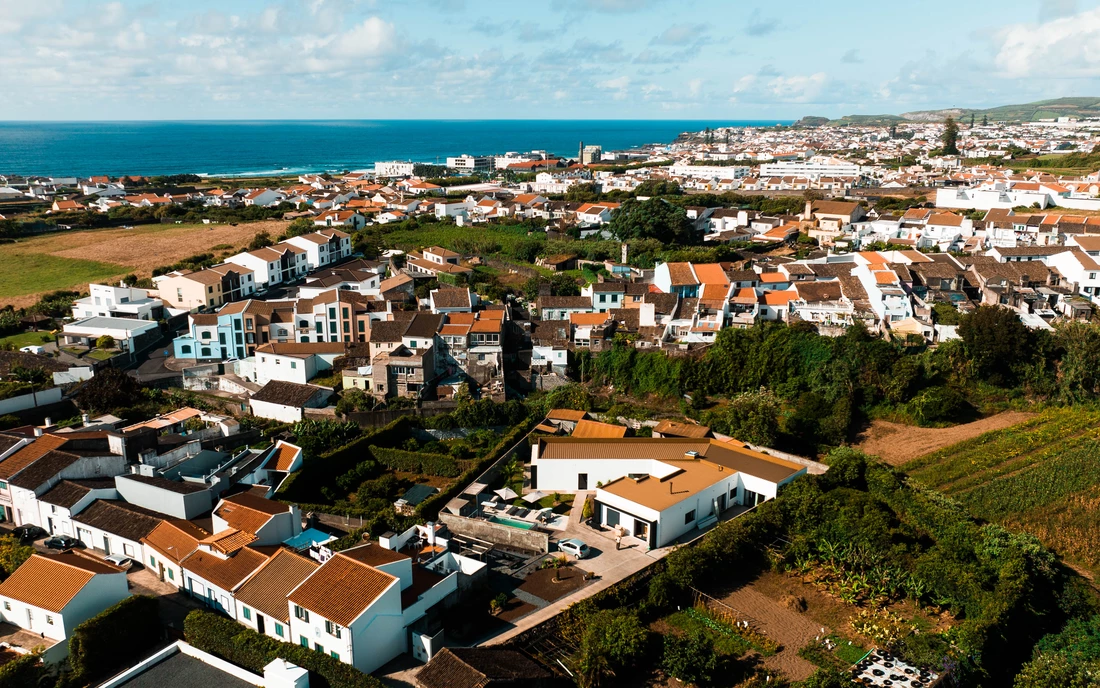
<point>269,622</point>
<point>560,475</point>
<point>173,573</point>
<point>286,414</point>
<point>175,504</point>
<point>211,595</point>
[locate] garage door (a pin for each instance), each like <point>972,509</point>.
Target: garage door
<point>85,536</point>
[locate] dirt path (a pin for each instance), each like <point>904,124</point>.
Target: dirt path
<point>896,443</point>
<point>790,629</point>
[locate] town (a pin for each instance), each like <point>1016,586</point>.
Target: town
<point>462,424</point>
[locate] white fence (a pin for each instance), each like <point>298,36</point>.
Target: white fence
<point>28,401</point>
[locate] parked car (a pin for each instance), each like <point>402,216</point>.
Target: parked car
<point>120,560</point>
<point>28,533</point>
<point>61,542</point>
<point>33,349</point>
<point>575,547</point>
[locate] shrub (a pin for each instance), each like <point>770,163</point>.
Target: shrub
<point>247,648</point>
<point>416,462</point>
<point>690,658</point>
<point>26,671</point>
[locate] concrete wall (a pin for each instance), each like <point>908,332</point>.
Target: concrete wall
<point>175,504</point>
<point>498,534</point>
<point>26,401</point>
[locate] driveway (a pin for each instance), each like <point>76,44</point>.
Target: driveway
<point>152,368</point>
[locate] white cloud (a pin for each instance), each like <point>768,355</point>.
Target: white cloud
<point>618,86</point>
<point>811,88</point>
<point>680,34</point>
<point>1063,47</point>
<point>371,39</point>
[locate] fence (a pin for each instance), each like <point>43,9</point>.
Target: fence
<point>730,615</point>
<point>29,401</point>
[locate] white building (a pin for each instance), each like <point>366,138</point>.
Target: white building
<point>657,489</point>
<point>323,248</point>
<point>269,521</point>
<point>471,163</point>
<point>50,596</point>
<point>817,166</point>
<point>118,302</point>
<point>274,264</point>
<point>393,168</point>
<point>130,335</point>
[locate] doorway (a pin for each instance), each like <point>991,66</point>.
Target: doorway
<point>582,481</point>
<point>106,546</point>
<point>260,624</point>
<point>641,530</point>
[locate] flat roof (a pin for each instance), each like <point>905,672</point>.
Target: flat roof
<point>184,671</point>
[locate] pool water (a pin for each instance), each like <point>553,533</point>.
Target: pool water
<point>510,522</point>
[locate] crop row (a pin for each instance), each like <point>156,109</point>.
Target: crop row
<point>1023,462</point>
<point>1042,484</point>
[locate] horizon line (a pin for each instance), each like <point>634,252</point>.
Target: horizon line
<point>407,119</point>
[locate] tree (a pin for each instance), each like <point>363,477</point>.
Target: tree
<point>751,417</point>
<point>652,218</point>
<point>105,342</point>
<point>109,390</point>
<point>300,226</point>
<point>995,342</point>
<point>985,120</point>
<point>613,640</point>
<point>690,658</point>
<point>9,321</point>
<point>261,240</point>
<point>1079,367</point>
<point>583,193</point>
<point>658,187</point>
<point>971,120</point>
<point>950,137</point>
<point>13,553</point>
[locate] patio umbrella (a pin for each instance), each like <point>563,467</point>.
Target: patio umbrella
<point>533,497</point>
<point>506,493</point>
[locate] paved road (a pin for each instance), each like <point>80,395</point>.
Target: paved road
<point>151,367</point>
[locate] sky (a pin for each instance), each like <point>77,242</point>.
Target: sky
<point>551,59</point>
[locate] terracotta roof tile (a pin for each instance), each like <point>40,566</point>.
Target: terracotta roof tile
<point>267,588</point>
<point>342,589</point>
<point>67,574</point>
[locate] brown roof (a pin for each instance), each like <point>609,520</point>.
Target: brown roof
<point>68,492</point>
<point>45,468</point>
<point>177,486</point>
<point>66,574</point>
<point>283,457</point>
<point>567,415</point>
<point>481,667</point>
<point>834,208</point>
<point>226,573</point>
<point>301,349</point>
<point>229,540</point>
<point>248,512</point>
<point>681,274</point>
<point>591,428</point>
<point>691,477</point>
<point>373,554</point>
<point>284,393</point>
<point>728,454</point>
<point>670,428</point>
<point>451,297</point>
<point>119,518</point>
<point>267,588</point>
<point>175,539</point>
<point>29,454</point>
<point>342,589</point>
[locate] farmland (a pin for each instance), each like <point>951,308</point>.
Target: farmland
<point>1041,476</point>
<point>70,260</point>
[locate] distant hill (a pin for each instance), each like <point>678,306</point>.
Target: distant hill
<point>1028,112</point>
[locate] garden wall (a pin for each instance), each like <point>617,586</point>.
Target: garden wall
<point>505,536</point>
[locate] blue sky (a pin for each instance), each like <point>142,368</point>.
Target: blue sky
<point>578,59</point>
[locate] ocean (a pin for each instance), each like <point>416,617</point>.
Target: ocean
<point>244,148</point>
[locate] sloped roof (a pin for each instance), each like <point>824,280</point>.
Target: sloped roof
<point>267,588</point>
<point>342,589</point>
<point>175,539</point>
<point>51,581</point>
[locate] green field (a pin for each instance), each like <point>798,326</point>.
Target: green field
<point>1041,476</point>
<point>39,272</point>
<point>18,341</point>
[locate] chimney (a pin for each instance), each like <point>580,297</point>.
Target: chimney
<point>809,210</point>
<point>624,254</point>
<point>85,419</point>
<point>38,432</point>
<point>280,673</point>
<point>49,422</point>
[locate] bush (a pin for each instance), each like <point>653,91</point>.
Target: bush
<point>690,658</point>
<point>26,671</point>
<point>113,640</point>
<point>416,462</point>
<point>247,648</point>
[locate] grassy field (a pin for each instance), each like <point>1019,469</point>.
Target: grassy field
<point>70,260</point>
<point>1041,476</point>
<point>22,339</point>
<point>481,239</point>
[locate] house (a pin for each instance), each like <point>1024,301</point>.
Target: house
<point>285,401</point>
<point>328,246</point>
<point>592,429</point>
<point>832,217</point>
<point>118,302</point>
<point>452,300</point>
<point>130,335</point>
<point>358,605</point>
<point>270,521</point>
<point>167,545</point>
<point>485,667</point>
<point>175,498</point>
<point>219,565</point>
<point>274,265</point>
<point>561,307</point>
<point>658,489</point>
<point>206,289</point>
<point>115,527</point>
<point>293,361</point>
<point>671,428</point>
<point>261,599</point>
<point>50,595</point>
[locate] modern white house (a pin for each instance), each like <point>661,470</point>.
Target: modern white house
<point>50,595</point>
<point>130,334</point>
<point>118,302</point>
<point>323,248</point>
<point>273,265</point>
<point>657,489</point>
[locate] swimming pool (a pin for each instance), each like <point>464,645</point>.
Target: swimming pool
<point>511,522</point>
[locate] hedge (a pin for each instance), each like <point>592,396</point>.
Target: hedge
<point>114,639</point>
<point>247,648</point>
<point>26,671</point>
<point>440,465</point>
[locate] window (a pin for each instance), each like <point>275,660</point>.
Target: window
<point>247,613</point>
<point>3,485</point>
<point>7,606</point>
<point>185,349</point>
<point>279,630</point>
<point>127,549</point>
<point>361,324</point>
<point>171,575</point>
<point>49,619</point>
<point>345,310</point>
<point>332,314</point>
<point>335,655</point>
<point>293,364</point>
<point>302,614</point>
<point>153,562</point>
<point>205,334</point>
<point>332,629</point>
<point>603,298</point>
<point>303,641</point>
<point>206,352</point>
<point>689,517</point>
<point>319,647</point>
<point>221,338</point>
<point>320,327</point>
